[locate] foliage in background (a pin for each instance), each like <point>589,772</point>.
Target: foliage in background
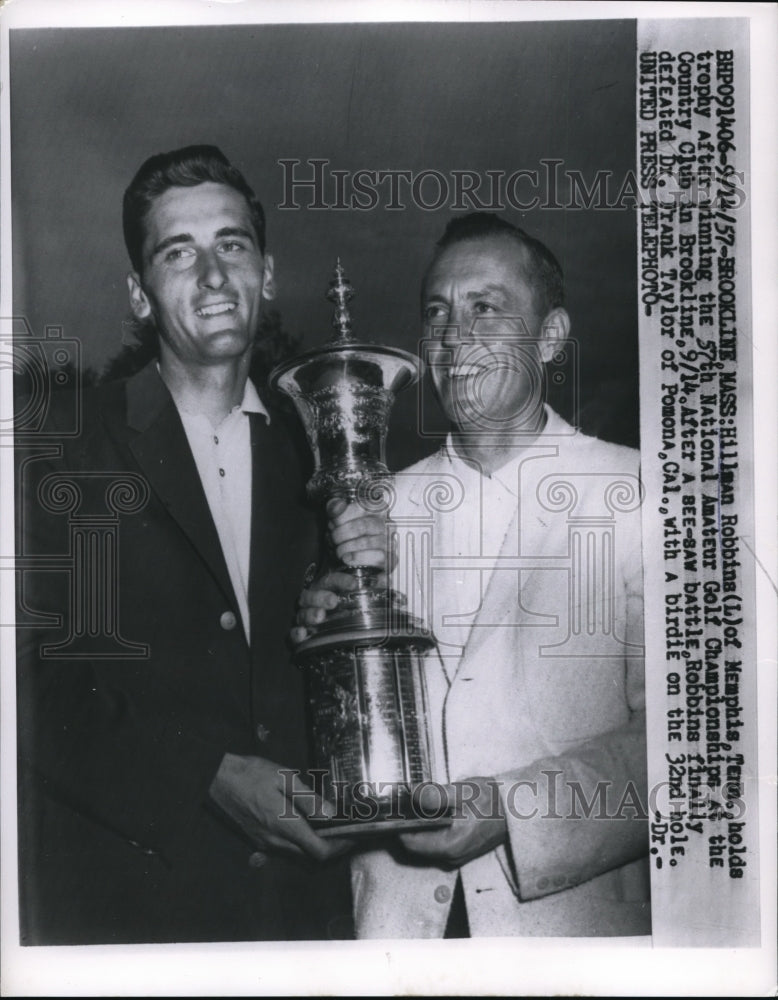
<point>273,345</point>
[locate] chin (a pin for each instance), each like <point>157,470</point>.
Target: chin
<point>461,411</point>
<point>446,403</point>
<point>227,343</point>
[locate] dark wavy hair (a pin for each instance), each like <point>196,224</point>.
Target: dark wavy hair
<point>185,167</point>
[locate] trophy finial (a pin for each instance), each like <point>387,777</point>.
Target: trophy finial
<point>341,293</point>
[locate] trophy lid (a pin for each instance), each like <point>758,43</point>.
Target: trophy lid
<point>345,358</point>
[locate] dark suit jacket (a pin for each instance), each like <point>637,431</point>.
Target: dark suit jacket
<point>127,706</point>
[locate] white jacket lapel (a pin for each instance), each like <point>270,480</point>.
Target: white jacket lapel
<point>534,537</point>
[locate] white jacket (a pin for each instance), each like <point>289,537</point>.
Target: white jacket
<point>548,692</point>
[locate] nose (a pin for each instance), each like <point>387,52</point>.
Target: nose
<point>450,337</point>
<point>212,272</point>
<point>458,327</point>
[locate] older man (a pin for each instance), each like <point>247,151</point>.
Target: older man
<point>534,591</point>
<point>153,722</point>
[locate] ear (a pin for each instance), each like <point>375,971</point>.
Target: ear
<point>269,284</point>
<point>553,333</point>
<point>139,303</point>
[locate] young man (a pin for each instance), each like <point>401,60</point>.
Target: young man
<point>534,591</point>
<point>155,722</point>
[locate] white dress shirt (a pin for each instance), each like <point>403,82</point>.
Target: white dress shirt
<point>223,458</point>
<point>486,513</point>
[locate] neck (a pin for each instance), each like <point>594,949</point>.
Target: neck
<point>212,390</point>
<point>491,455</point>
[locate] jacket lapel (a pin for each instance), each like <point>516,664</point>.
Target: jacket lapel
<point>160,434</point>
<point>540,534</point>
<point>271,506</point>
<point>435,479</point>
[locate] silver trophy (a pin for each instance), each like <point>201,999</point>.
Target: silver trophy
<point>365,662</point>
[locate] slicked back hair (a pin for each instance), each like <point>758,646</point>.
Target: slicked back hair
<point>543,269</point>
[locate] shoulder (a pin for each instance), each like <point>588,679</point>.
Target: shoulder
<point>601,478</point>
<point>607,474</point>
<point>412,484</point>
<point>69,416</point>
<point>592,453</point>
<point>432,463</point>
<point>408,480</point>
<point>606,456</point>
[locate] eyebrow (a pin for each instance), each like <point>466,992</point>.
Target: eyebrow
<point>170,241</point>
<point>477,293</point>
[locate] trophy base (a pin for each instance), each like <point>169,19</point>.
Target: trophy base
<point>348,827</point>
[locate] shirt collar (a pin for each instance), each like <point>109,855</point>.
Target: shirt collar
<point>251,403</point>
<point>506,475</point>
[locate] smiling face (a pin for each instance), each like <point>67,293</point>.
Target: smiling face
<point>490,341</point>
<point>204,276</point>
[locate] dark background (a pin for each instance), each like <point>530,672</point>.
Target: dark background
<point>89,105</point>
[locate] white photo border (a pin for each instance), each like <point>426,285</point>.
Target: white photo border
<point>509,966</point>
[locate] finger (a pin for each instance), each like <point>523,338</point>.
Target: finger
<point>426,843</point>
<point>273,843</point>
<point>340,513</point>
<point>306,804</point>
<point>362,557</point>
<point>358,518</point>
<point>294,835</point>
<point>310,617</point>
<point>336,581</point>
<point>299,833</point>
<point>373,527</point>
<point>316,598</point>
<point>298,634</point>
<point>336,506</point>
<point>304,800</point>
<point>433,799</point>
<point>362,543</point>
<point>334,846</point>
<point>339,846</point>
<point>324,594</point>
